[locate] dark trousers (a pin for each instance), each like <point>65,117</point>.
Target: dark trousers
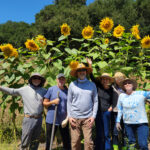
<point>115,131</point>
<point>103,141</point>
<point>64,134</point>
<point>142,132</point>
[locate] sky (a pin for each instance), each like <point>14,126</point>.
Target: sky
<point>23,10</point>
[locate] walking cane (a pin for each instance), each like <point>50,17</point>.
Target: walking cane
<point>53,127</point>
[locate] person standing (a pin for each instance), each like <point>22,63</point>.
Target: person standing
<point>82,107</point>
<point>118,78</point>
<point>131,105</point>
<point>103,118</point>
<point>57,95</point>
<point>32,96</point>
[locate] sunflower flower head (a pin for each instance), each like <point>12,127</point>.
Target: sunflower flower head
<point>135,32</point>
<point>145,42</point>
<point>15,53</point>
<point>106,24</point>
<point>7,50</point>
<point>73,64</point>
<point>31,45</point>
<point>41,40</point>
<point>118,31</point>
<point>65,29</point>
<point>106,41</point>
<point>87,32</point>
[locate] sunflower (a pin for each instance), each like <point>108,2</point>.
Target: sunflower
<point>145,42</point>
<point>31,45</point>
<point>41,39</point>
<point>106,24</point>
<point>118,31</point>
<point>65,29</point>
<point>135,31</point>
<point>87,32</point>
<point>106,41</point>
<point>7,50</point>
<point>73,64</point>
<point>15,53</point>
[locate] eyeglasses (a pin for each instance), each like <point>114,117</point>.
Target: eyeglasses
<point>80,70</point>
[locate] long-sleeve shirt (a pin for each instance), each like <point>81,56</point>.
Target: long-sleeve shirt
<point>132,107</point>
<point>32,98</point>
<point>82,101</point>
<point>104,95</point>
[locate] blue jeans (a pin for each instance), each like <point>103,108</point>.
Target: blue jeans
<point>103,141</point>
<point>142,131</point>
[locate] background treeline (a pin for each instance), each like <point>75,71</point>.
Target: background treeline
<point>78,15</point>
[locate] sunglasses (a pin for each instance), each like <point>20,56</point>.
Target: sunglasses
<point>80,70</point>
<point>36,78</point>
<point>127,83</point>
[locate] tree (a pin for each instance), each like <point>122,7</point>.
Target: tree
<point>15,33</point>
<point>49,20</point>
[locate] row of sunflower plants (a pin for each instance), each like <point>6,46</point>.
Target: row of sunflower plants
<point>110,48</point>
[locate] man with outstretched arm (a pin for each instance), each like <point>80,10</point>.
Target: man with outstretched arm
<point>32,96</point>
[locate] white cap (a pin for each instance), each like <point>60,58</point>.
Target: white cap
<point>60,75</point>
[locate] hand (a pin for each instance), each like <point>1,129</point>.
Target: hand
<point>118,126</point>
<point>90,122</point>
<point>56,101</point>
<point>89,61</point>
<point>72,122</point>
<point>64,122</point>
<point>110,109</point>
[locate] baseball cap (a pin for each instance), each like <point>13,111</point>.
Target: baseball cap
<point>60,75</point>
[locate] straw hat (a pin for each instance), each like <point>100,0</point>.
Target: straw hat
<point>133,82</point>
<point>119,75</point>
<point>106,75</point>
<point>73,72</point>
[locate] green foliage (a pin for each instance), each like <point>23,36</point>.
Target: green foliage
<point>14,33</point>
<point>78,15</point>
<point>49,20</point>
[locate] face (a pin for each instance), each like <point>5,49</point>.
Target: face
<point>61,81</point>
<point>105,81</point>
<point>118,81</point>
<point>81,74</point>
<point>36,81</point>
<point>128,86</point>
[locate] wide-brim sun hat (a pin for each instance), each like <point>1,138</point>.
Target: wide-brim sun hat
<point>107,75</point>
<point>133,82</point>
<point>73,72</point>
<point>37,75</point>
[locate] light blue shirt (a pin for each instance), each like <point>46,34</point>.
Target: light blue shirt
<point>132,107</point>
<point>82,99</point>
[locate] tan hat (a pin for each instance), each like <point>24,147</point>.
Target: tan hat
<point>106,75</point>
<point>37,75</point>
<point>73,72</point>
<point>133,82</point>
<point>119,75</point>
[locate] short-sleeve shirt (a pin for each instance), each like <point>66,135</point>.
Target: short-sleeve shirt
<point>52,94</point>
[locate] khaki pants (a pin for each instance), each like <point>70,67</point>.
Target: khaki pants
<point>81,126</point>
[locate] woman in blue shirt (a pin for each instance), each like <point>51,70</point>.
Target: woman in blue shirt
<point>131,105</point>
